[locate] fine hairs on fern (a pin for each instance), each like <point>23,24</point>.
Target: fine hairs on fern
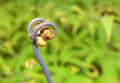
<point>41,33</point>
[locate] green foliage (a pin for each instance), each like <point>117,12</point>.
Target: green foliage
<point>86,48</point>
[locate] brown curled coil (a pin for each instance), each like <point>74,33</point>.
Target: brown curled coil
<point>42,35</point>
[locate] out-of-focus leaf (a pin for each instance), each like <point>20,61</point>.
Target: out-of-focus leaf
<point>109,71</point>
<point>92,27</point>
<point>107,22</point>
<point>76,8</point>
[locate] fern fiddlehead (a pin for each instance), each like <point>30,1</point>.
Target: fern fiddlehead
<point>40,35</point>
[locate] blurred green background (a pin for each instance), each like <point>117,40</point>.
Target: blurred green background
<point>86,48</point>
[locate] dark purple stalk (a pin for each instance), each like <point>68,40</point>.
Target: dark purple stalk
<point>36,53</point>
<point>40,61</point>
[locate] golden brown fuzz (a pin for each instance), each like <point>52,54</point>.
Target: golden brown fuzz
<point>46,33</point>
<point>41,41</point>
